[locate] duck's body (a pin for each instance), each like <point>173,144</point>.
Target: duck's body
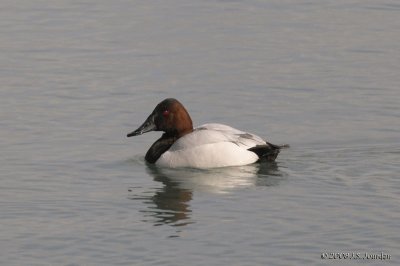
<point>214,145</point>
<point>207,146</point>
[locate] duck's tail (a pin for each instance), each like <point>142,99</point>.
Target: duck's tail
<point>284,146</point>
<point>268,151</point>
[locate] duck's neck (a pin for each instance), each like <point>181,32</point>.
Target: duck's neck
<point>185,125</point>
<point>184,132</point>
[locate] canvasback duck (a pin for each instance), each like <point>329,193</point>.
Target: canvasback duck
<point>207,146</point>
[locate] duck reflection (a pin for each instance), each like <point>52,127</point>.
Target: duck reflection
<point>171,203</point>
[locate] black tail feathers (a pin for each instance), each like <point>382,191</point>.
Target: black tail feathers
<point>268,152</point>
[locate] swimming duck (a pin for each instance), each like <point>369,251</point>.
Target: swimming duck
<point>207,146</point>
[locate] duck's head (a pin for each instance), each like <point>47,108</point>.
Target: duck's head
<point>169,116</point>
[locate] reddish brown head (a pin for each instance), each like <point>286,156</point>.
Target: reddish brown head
<point>169,116</point>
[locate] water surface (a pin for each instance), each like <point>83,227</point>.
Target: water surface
<point>76,76</point>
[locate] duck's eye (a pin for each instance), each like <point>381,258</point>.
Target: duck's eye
<point>165,113</point>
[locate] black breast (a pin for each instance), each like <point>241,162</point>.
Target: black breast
<point>159,147</point>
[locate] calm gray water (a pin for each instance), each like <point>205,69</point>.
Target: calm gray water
<point>76,76</point>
